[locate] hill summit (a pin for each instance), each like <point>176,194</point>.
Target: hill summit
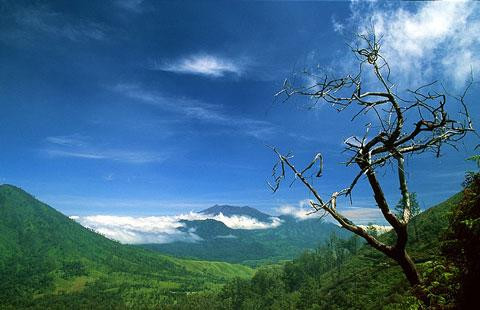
<point>228,210</point>
<point>48,260</point>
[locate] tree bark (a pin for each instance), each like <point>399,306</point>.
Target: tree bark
<point>408,267</point>
<point>410,271</point>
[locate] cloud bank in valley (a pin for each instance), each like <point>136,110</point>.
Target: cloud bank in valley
<point>167,229</point>
<point>163,229</point>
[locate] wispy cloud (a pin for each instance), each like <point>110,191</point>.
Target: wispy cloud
<point>299,211</point>
<point>79,147</point>
<point>137,230</point>
<point>198,110</point>
<point>363,215</point>
<point>121,206</point>
<point>359,215</point>
<point>87,205</point>
<point>163,229</point>
<point>202,64</point>
<point>32,21</point>
<point>135,6</point>
<point>133,157</point>
<point>188,107</point>
<point>109,177</point>
<point>427,41</point>
<point>72,140</point>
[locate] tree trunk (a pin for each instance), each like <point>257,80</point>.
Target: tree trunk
<point>408,267</point>
<point>411,272</point>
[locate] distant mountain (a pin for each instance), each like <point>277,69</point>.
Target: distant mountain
<point>350,274</point>
<point>49,261</point>
<point>252,247</point>
<point>207,229</point>
<point>240,211</point>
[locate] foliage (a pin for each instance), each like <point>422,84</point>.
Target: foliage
<point>461,246</point>
<point>252,247</point>
<point>393,141</point>
<point>440,283</point>
<point>49,261</point>
<point>414,206</point>
<point>340,274</point>
<point>475,158</point>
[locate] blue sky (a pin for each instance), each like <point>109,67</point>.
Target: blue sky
<point>159,107</point>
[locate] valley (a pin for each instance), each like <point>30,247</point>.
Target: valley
<point>250,246</point>
<point>50,261</point>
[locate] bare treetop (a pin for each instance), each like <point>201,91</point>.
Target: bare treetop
<point>410,124</point>
<point>432,128</point>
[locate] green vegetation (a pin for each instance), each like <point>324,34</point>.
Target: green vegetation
<point>341,274</point>
<point>252,247</point>
<point>414,206</point>
<point>455,277</point>
<point>49,261</point>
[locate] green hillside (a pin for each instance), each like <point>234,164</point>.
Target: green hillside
<point>252,247</point>
<point>49,261</point>
<point>341,274</point>
<point>369,280</point>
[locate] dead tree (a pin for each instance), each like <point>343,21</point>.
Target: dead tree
<point>387,141</point>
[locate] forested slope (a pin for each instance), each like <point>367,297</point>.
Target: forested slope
<point>342,274</point>
<point>252,247</point>
<point>49,261</point>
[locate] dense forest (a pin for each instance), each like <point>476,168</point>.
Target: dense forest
<point>341,274</point>
<point>345,274</point>
<point>156,128</point>
<point>49,261</point>
<point>252,247</point>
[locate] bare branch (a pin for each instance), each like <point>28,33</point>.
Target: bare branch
<point>432,128</point>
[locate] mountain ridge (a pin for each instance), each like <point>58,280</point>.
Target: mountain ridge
<point>347,274</point>
<point>46,257</point>
<point>251,246</point>
<point>229,210</point>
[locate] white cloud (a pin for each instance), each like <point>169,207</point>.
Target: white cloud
<point>380,229</point>
<point>130,5</point>
<point>78,147</point>
<point>198,110</point>
<point>132,157</point>
<point>359,215</point>
<point>362,215</point>
<point>72,140</point>
<point>437,39</point>
<point>245,222</point>
<point>299,212</point>
<point>109,177</point>
<point>37,19</point>
<point>188,107</point>
<point>74,204</point>
<point>163,229</point>
<point>337,26</point>
<point>202,64</point>
<point>136,230</point>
